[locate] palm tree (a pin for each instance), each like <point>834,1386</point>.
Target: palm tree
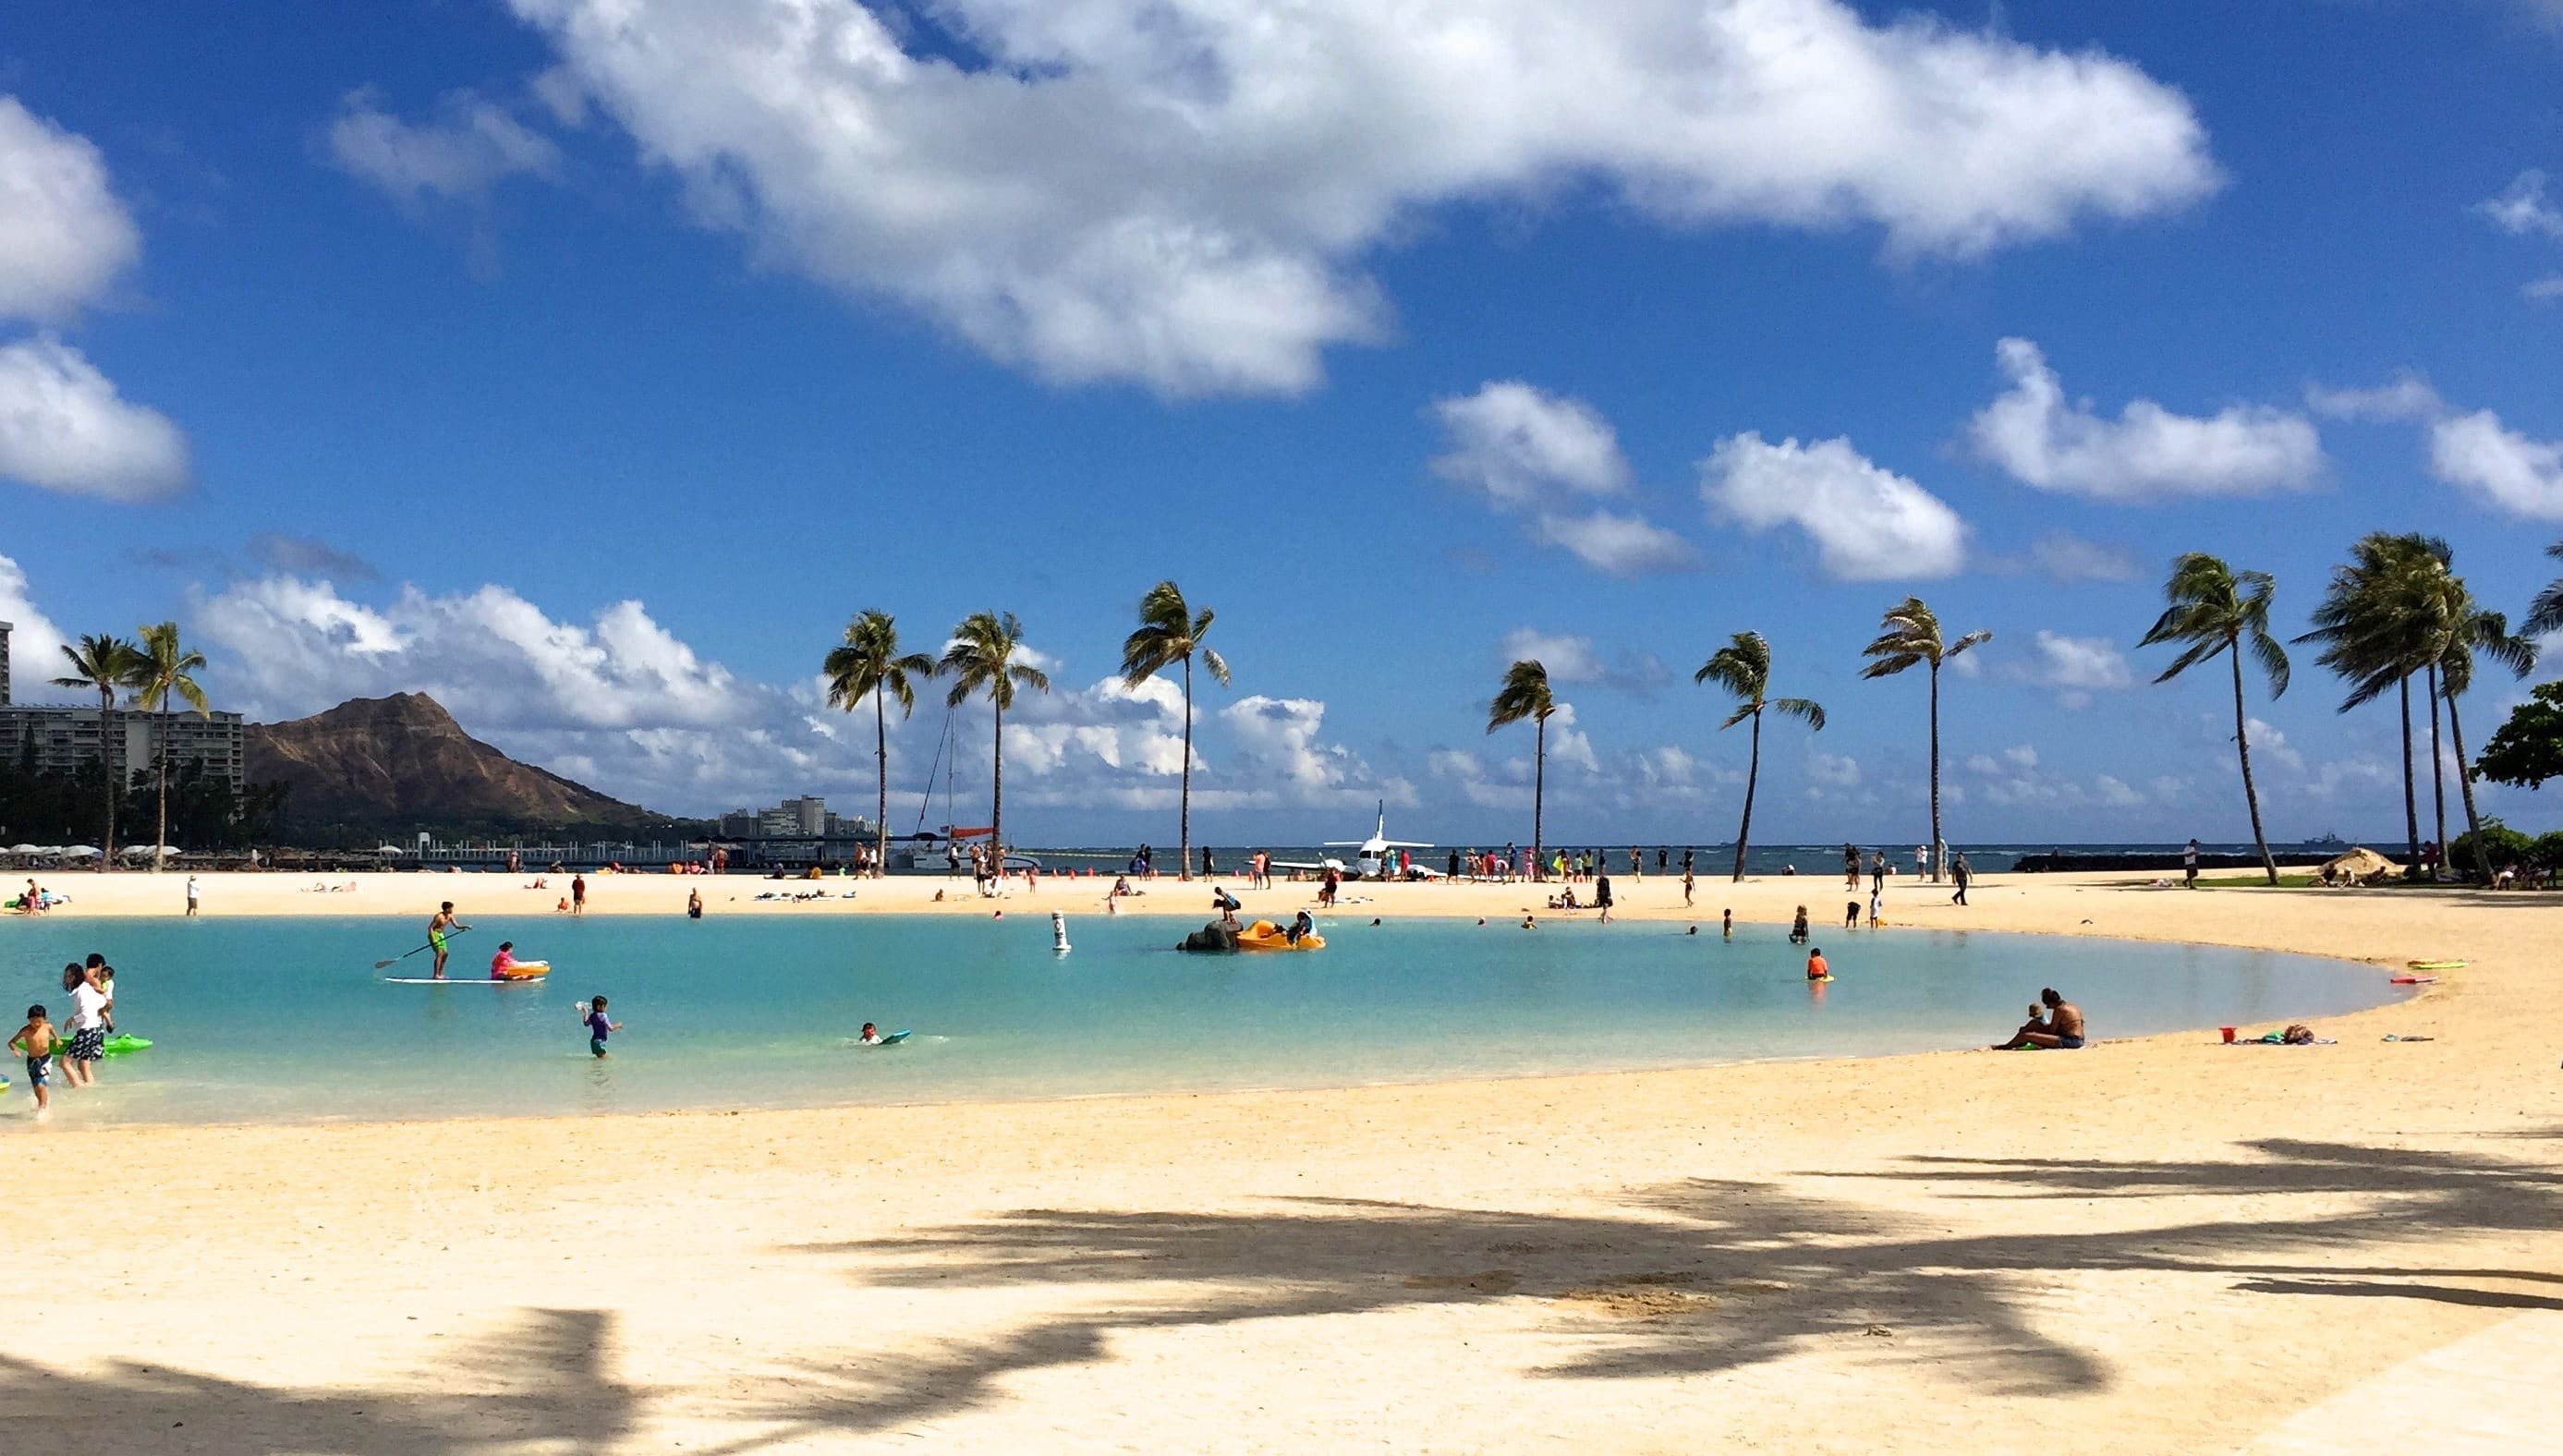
<point>868,664</point>
<point>1911,635</point>
<point>981,658</point>
<point>167,673</point>
<point>2488,633</point>
<point>2545,614</point>
<point>1525,695</point>
<point>1170,631</point>
<point>2383,617</point>
<point>107,666</point>
<point>1743,667</point>
<point>2216,609</point>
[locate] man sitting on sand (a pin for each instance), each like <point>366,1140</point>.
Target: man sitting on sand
<point>2061,1030</point>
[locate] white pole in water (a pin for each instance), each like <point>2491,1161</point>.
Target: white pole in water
<point>1058,933</point>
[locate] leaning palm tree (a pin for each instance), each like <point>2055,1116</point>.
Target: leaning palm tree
<point>2545,614</point>
<point>2488,633</point>
<point>167,679</point>
<point>1170,631</point>
<point>2383,617</point>
<point>106,665</point>
<point>2218,611</point>
<point>1525,695</point>
<point>1911,636</point>
<point>981,658</point>
<point>868,664</point>
<point>1743,667</point>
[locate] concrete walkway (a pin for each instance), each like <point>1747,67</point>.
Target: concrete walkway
<point>2489,1392</point>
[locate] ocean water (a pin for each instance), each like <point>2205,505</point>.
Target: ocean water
<point>286,1020</point>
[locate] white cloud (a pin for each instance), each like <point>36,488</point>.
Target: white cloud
<point>2408,397</point>
<point>1833,771</point>
<point>2147,453</point>
<point>2078,668</point>
<point>2271,743</point>
<point>1568,744</point>
<point>2523,208</point>
<point>1524,446</point>
<point>2067,556</point>
<point>1868,523</point>
<point>1574,660</point>
<point>2543,290</point>
<point>1282,735</point>
<point>2115,793</point>
<point>2510,472</point>
<point>64,236</point>
<point>35,643</point>
<point>64,427</point>
<point>1184,192</point>
<point>471,146</point>
<point>1620,545</point>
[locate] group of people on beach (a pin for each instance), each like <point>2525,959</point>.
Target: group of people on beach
<point>91,989</point>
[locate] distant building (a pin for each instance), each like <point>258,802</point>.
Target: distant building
<point>64,739</point>
<point>4,665</point>
<point>804,820</point>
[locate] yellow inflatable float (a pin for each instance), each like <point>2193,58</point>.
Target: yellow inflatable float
<point>1264,935</point>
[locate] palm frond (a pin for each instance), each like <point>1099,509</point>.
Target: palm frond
<point>1807,710</point>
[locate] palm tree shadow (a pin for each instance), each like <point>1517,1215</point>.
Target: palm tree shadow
<point>1707,1275</point>
<point>547,1381</point>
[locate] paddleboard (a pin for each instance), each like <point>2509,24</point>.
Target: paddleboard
<point>893,1039</point>
<point>456,981</point>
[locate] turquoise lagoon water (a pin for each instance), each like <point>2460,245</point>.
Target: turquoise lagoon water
<point>286,1020</point>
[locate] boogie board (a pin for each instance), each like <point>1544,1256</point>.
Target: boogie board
<point>893,1039</point>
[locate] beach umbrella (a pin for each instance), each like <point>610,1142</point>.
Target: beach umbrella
<point>31,849</point>
<point>391,849</point>
<point>76,852</point>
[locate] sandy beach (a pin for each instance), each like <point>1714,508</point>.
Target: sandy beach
<point>2152,1245</point>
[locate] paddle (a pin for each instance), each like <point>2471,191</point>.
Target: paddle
<point>405,955</point>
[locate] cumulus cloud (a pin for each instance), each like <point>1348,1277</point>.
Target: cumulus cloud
<point>471,146</point>
<point>35,643</point>
<point>1284,735</point>
<point>2522,209</point>
<point>2078,668</point>
<point>1620,545</point>
<point>2013,779</point>
<point>2066,557</point>
<point>2405,398</point>
<point>2041,438</point>
<point>63,234</point>
<point>2508,470</point>
<point>2271,743</point>
<point>64,427</point>
<point>2542,291</point>
<point>1523,448</point>
<point>1185,192</point>
<point>1869,524</point>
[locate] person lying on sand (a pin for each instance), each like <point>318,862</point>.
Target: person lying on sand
<point>2062,1030</point>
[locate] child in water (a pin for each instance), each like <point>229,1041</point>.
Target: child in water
<point>37,1042</point>
<point>1798,928</point>
<point>871,1036</point>
<point>598,1027</point>
<point>1727,929</point>
<point>598,1030</point>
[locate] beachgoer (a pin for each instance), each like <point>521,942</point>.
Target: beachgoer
<point>1637,863</point>
<point>1206,867</point>
<point>87,1026</point>
<point>693,904</point>
<point>1304,924</point>
<point>1727,925</point>
<point>2063,1027</point>
<point>1686,886</point>
<point>1602,898</point>
<point>32,901</point>
<point>438,926</point>
<point>578,894</point>
<point>37,1042</point>
<point>1686,860</point>
<point>1798,928</point>
<point>504,962</point>
<point>1663,852</point>
<point>1877,870</point>
<point>1921,859</point>
<point>1876,902</point>
<point>1817,968</point>
<point>2189,866</point>
<point>1221,899</point>
<point>102,975</point>
<point>1851,915</point>
<point>871,1035</point>
<point>1962,872</point>
<point>1528,922</point>
<point>598,1027</point>
<point>195,896</point>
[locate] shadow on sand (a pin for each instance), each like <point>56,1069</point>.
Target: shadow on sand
<point>1691,1277</point>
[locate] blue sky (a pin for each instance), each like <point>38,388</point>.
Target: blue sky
<point>590,371</point>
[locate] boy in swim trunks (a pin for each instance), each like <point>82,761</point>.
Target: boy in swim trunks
<point>437,926</point>
<point>36,1044</point>
<point>598,1027</point>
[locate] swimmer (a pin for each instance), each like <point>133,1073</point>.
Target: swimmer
<point>1695,929</point>
<point>1798,928</point>
<point>693,904</point>
<point>1817,968</point>
<point>1529,922</point>
<point>439,926</point>
<point>871,1036</point>
<point>1727,929</point>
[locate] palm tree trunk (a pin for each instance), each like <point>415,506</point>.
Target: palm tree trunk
<point>106,771</point>
<point>1937,855</point>
<point>2411,809</point>
<point>1539,792</point>
<point>997,799</point>
<point>1184,813</point>
<point>881,765</point>
<point>1752,775</point>
<point>2438,772</point>
<point>2243,749</point>
<point>2466,789</point>
<point>162,755</point>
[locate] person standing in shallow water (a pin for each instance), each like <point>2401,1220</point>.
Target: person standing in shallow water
<point>1602,898</point>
